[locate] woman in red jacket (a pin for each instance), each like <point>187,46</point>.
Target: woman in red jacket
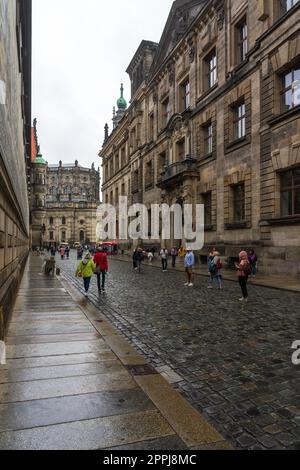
<point>101,262</point>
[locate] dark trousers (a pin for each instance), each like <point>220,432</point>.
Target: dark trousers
<point>86,282</point>
<point>101,280</point>
<point>243,283</point>
<point>174,261</point>
<point>164,263</point>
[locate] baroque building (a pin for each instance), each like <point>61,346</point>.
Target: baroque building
<point>64,202</point>
<point>15,147</point>
<point>214,118</point>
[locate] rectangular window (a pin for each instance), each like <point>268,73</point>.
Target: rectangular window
<point>51,235</point>
<point>208,138</point>
<point>238,202</point>
<point>286,5</point>
<point>185,96</point>
<point>166,112</point>
<point>207,208</point>
<point>123,189</point>
<point>151,127</point>
<point>149,175</point>
<point>180,147</point>
<point>242,40</point>
<point>291,89</point>
<point>290,192</point>
<point>239,120</point>
<point>162,160</point>
<point>210,70</point>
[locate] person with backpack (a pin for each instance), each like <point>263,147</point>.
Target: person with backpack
<point>214,266</point>
<point>252,258</point>
<point>164,259</point>
<point>86,269</point>
<point>243,268</point>
<point>101,262</point>
<point>189,263</point>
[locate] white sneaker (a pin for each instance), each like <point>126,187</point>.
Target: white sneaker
<point>86,294</point>
<point>241,299</point>
<point>209,287</point>
<point>191,285</point>
<point>186,284</point>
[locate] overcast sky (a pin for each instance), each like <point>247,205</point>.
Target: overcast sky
<point>81,50</point>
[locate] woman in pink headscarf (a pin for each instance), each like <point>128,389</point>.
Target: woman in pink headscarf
<point>243,271</point>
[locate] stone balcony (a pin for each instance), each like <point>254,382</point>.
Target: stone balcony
<point>177,172</point>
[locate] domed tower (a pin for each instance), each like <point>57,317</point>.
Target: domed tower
<point>38,200</point>
<point>122,106</point>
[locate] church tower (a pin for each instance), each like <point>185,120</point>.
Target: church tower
<point>122,106</point>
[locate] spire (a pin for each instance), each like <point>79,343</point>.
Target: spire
<point>122,103</point>
<point>105,132</point>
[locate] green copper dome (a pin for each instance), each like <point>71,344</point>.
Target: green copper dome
<point>39,160</point>
<point>122,103</point>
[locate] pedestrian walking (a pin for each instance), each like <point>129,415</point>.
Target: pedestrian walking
<point>164,259</point>
<point>150,257</point>
<point>135,259</point>
<point>139,258</point>
<point>53,251</point>
<point>189,263</point>
<point>67,251</point>
<point>62,253</point>
<point>252,258</point>
<point>85,269</point>
<point>214,267</point>
<point>79,253</point>
<point>174,254</point>
<point>243,268</point>
<point>101,263</point>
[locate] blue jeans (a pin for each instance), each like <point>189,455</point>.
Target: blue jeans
<point>218,278</point>
<point>99,283</point>
<point>164,264</point>
<point>86,282</point>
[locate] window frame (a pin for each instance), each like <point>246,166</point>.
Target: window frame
<point>291,88</point>
<point>207,213</point>
<point>242,46</point>
<point>239,119</point>
<point>236,200</point>
<point>208,138</point>
<point>185,95</point>
<point>292,189</point>
<point>210,71</point>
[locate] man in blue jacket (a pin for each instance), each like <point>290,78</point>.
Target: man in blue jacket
<point>189,263</point>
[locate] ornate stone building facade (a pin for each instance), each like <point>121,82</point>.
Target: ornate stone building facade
<point>65,199</point>
<point>15,147</point>
<point>214,119</point>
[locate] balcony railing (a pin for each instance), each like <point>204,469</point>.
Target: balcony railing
<point>179,168</point>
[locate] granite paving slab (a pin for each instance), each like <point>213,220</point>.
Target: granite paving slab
<point>30,414</point>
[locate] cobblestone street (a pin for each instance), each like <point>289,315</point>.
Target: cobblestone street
<point>232,362</point>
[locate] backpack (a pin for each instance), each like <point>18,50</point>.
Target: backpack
<point>219,264</point>
<point>247,269</point>
<point>212,267</point>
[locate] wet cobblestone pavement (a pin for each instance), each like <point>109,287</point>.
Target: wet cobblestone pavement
<point>233,361</point>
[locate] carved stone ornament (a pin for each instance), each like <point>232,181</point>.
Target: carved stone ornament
<point>221,18</point>
<point>171,72</point>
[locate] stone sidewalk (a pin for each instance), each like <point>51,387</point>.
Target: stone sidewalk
<point>72,382</point>
<point>273,281</point>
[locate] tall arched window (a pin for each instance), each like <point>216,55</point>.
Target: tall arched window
<point>51,221</point>
<point>63,221</point>
<point>81,235</point>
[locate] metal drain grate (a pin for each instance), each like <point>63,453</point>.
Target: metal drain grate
<point>145,369</point>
